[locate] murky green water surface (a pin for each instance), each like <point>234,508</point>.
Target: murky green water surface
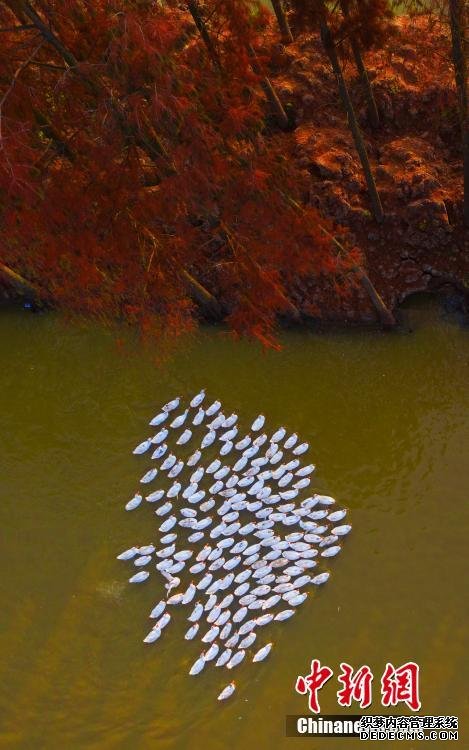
<point>387,419</point>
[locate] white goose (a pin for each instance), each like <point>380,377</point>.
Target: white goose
<point>197,400</point>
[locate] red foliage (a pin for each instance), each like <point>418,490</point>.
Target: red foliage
<point>142,162</point>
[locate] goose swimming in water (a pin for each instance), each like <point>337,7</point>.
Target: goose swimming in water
<point>196,613</point>
<point>240,463</point>
<point>208,439</point>
<point>278,435</point>
<point>197,666</point>
<point>263,653</point>
<point>177,468</point>
<point>159,451</point>
<point>225,631</point>
<point>212,652</point>
<point>342,530</point>
<point>184,437</point>
<point>168,524</point>
<point>305,470</point>
<point>231,642</point>
<point>195,498</point>
<point>227,691</point>
<point>160,436</point>
<point>226,448</point>
<point>171,405</point>
<point>195,458</point>
<point>337,515</point>
<point>139,577</point>
<point>276,458</point>
<point>224,657</point>
<point>196,537</point>
<point>300,449</point>
<point>211,634</point>
<point>291,441</point>
<point>134,502</point>
<point>331,551</point>
<point>149,476</point>
<point>223,618</point>
<point>321,578</point>
<point>197,400</point>
<point>143,560</point>
<point>285,479</point>
<point>174,490</point>
<point>169,462</point>
<point>153,635</point>
<point>284,615</point>
<point>128,554</point>
<point>213,466</point>
<point>184,554</point>
<point>142,447</point>
<point>237,658</point>
<point>175,599</point>
<point>325,500</point>
<point>159,418</point>
<point>243,443</point>
<point>229,434</point>
<point>192,632</point>
<point>198,418</point>
<point>197,475</point>
<point>213,408</point>
<point>258,423</point>
<point>179,421</point>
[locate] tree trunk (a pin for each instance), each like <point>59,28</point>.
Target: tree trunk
<point>202,296</point>
<point>329,46</point>
<point>373,115</point>
<point>22,286</point>
<point>271,95</point>
<point>61,146</point>
<point>194,10</point>
<point>458,23</point>
<point>385,315</point>
<point>282,20</point>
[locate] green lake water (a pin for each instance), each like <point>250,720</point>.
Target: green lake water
<point>387,419</point>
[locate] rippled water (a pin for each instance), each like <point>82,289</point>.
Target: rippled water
<point>387,418</point>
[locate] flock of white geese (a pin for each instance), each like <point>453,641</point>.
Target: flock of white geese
<point>238,514</point>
